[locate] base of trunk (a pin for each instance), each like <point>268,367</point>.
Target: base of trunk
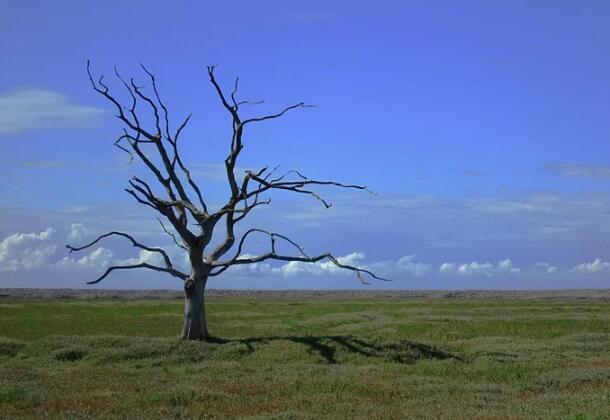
<point>194,326</point>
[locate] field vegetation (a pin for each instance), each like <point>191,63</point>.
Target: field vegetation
<point>304,357</point>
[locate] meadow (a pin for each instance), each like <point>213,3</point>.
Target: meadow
<point>298,356</point>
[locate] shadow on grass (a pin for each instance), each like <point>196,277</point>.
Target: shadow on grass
<point>335,348</point>
<point>150,351</point>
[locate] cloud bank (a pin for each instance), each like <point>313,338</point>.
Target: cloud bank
<point>535,241</point>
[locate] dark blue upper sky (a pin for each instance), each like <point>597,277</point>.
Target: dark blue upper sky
<point>484,126</point>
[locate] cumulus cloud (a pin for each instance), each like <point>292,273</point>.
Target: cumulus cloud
<point>476,268</point>
<point>32,256</point>
<point>448,268</point>
<point>78,231</point>
<point>33,109</point>
<point>596,266</point>
<point>395,269</point>
<point>506,266</point>
<point>294,268</point>
<point>255,268</point>
<point>37,251</point>
<point>97,259</point>
<point>407,264</point>
<point>145,256</point>
<point>547,267</point>
<point>388,268</point>
<point>26,250</point>
<point>404,266</point>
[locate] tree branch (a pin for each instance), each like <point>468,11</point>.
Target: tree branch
<point>171,235</point>
<point>177,206</point>
<point>135,243</point>
<point>135,141</point>
<point>186,172</point>
<point>165,112</point>
<point>297,186</point>
<point>109,270</point>
<point>224,265</point>
<point>221,95</point>
<point>279,114</point>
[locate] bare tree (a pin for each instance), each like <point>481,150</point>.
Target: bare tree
<point>183,203</point>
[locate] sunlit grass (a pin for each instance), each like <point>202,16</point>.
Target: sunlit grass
<point>293,358</point>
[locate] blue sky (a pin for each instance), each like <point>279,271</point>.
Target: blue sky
<point>483,126</point>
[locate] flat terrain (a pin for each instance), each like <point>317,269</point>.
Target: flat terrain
<point>308,355</point>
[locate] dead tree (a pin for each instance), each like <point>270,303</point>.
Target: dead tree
<point>183,203</point>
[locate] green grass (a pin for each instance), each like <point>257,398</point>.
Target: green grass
<point>306,358</point>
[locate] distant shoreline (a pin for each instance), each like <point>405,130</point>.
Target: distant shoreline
<point>559,294</point>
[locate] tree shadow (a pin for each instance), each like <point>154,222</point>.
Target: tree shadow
<point>335,348</point>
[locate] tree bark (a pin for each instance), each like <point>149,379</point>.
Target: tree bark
<point>194,326</point>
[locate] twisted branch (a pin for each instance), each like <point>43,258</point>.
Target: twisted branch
<point>110,269</point>
<point>135,243</point>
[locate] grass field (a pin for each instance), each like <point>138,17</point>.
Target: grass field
<point>291,357</point>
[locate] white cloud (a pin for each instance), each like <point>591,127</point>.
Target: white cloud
<point>353,259</point>
<point>448,268</point>
<point>294,268</point>
<point>96,259</point>
<point>145,256</point>
<point>394,269</point>
<point>405,265</point>
<point>33,109</point>
<point>78,231</point>
<point>100,257</point>
<point>476,268</point>
<point>36,251</point>
<point>255,268</point>
<point>506,266</point>
<point>26,250</point>
<point>547,267</point>
<point>595,266</point>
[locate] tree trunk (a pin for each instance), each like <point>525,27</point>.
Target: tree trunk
<point>195,327</point>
